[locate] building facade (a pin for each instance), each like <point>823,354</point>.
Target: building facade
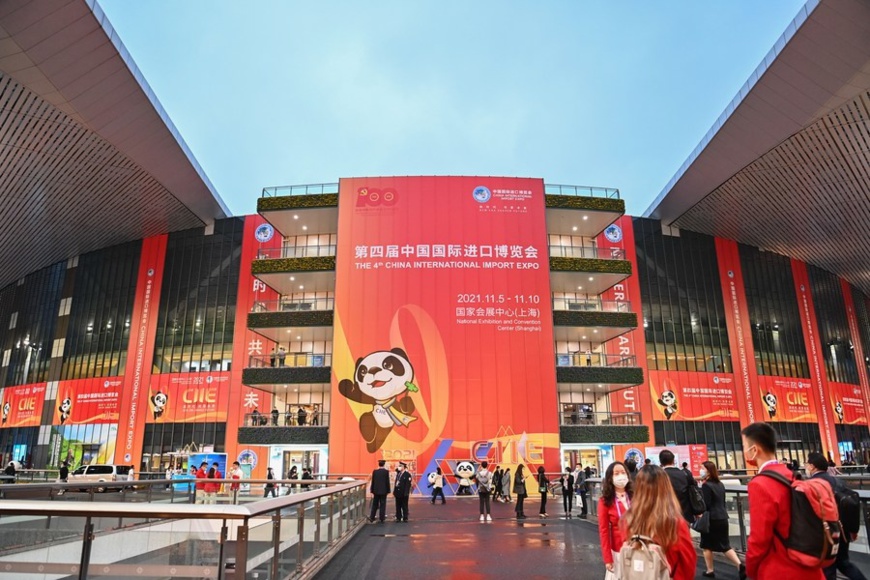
<point>432,320</point>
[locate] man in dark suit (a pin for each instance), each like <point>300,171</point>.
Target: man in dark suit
<point>402,491</point>
<point>380,488</point>
<point>680,483</point>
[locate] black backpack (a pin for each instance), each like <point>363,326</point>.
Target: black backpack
<point>849,506</point>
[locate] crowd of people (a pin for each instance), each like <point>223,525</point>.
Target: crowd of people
<point>645,515</point>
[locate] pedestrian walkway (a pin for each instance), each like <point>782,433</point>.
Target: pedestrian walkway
<point>449,541</point>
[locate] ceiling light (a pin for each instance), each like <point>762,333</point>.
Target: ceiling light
<point>588,389</point>
<point>574,229</point>
<point>579,287</point>
<point>595,331</point>
<point>296,390</point>
<point>583,338</point>
<point>585,217</point>
<point>289,331</point>
<point>304,227</point>
<point>292,278</point>
<point>298,338</point>
<point>295,217</point>
<point>591,278</point>
<point>301,287</point>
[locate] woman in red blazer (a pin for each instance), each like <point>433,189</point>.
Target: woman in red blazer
<point>615,500</point>
<point>655,512</point>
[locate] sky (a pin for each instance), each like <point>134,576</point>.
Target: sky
<point>610,93</point>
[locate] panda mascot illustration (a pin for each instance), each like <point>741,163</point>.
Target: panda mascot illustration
<point>380,380</point>
<point>464,471</point>
<point>770,403</point>
<point>158,404</point>
<point>6,408</point>
<point>838,408</point>
<point>668,401</point>
<point>64,410</point>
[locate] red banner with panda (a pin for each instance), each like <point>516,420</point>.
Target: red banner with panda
<point>83,401</point>
<point>443,337</point>
<point>21,406</point>
<point>693,396</point>
<point>188,397</point>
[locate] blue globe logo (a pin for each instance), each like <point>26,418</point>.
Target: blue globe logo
<point>481,194</point>
<point>613,233</point>
<point>264,233</point>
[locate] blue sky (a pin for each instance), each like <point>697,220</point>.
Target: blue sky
<point>607,93</point>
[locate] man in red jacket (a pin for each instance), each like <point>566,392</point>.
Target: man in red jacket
<point>201,475</point>
<point>769,511</point>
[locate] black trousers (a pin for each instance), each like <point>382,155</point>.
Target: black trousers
<point>843,564</point>
<point>567,501</point>
<point>584,508</point>
<point>379,504</point>
<point>543,503</point>
<point>519,508</point>
<point>484,504</point>
<point>402,508</point>
<point>436,491</point>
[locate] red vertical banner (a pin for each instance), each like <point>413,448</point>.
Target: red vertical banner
<point>443,339</point>
<point>739,330</point>
<point>243,399</point>
<point>848,399</point>
<point>143,330</point>
<point>818,376</point>
<point>618,240</point>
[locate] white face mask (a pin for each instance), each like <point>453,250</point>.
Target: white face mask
<point>703,473</point>
<point>620,481</point>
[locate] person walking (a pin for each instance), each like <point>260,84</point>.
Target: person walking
<point>616,492</point>
<point>580,488</point>
<point>438,487</point>
<point>275,415</point>
<point>818,468</point>
<point>210,488</point>
<point>715,540</point>
<point>544,489</point>
<point>484,490</point>
<point>292,474</point>
<point>655,513</point>
<point>402,491</point>
<point>282,356</point>
<point>680,483</point>
<point>505,484</point>
<point>379,488</point>
<point>567,483</point>
<point>306,475</point>
<point>301,416</point>
<point>63,475</point>
<point>235,474</point>
<point>520,491</point>
<point>270,487</point>
<point>496,479</point>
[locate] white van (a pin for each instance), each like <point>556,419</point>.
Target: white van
<point>100,473</point>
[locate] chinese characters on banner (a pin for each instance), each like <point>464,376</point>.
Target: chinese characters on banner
<point>847,402</point>
<point>188,397</point>
<point>22,406</point>
<point>81,401</point>
<point>441,283</point>
<point>787,399</point>
<point>693,396</point>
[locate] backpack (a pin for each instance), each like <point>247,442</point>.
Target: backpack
<point>641,559</point>
<point>696,498</point>
<point>814,533</point>
<point>849,506</point>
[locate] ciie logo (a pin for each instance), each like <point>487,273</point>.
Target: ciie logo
<point>209,379</point>
<point>481,194</point>
<point>371,197</point>
<point>730,273</point>
<point>613,233</point>
<point>264,233</point>
<point>150,272</point>
<point>106,385</point>
<point>715,380</point>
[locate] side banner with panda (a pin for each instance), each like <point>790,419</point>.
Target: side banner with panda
<point>443,336</point>
<point>83,401</point>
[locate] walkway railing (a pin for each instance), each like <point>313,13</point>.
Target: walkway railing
<point>581,418</point>
<point>273,538</point>
<point>293,305</point>
<point>590,305</point>
<point>595,359</point>
<point>311,189</point>
<point>587,252</point>
<point>287,419</point>
<point>296,252</point>
<point>290,359</point>
<point>581,190</point>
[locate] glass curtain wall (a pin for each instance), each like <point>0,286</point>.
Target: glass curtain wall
<point>837,347</point>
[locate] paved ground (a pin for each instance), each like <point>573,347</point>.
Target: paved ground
<point>449,542</point>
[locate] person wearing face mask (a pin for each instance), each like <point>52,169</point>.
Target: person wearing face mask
<point>716,540</point>
<point>769,510</point>
<point>616,493</point>
<point>402,492</point>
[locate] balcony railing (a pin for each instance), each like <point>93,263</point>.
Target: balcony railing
<point>581,191</point>
<point>294,305</point>
<point>311,189</point>
<point>595,359</point>
<point>287,419</point>
<point>290,359</point>
<point>590,305</point>
<point>587,252</point>
<point>581,418</point>
<point>295,252</point>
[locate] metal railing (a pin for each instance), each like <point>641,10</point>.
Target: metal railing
<point>294,305</point>
<point>283,537</point>
<point>290,359</point>
<point>296,252</point>
<point>310,189</point>
<point>581,191</point>
<point>598,418</point>
<point>594,359</point>
<point>590,305</point>
<point>287,419</point>
<point>587,252</point>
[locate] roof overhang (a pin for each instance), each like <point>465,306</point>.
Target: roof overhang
<point>96,138</point>
<point>785,167</point>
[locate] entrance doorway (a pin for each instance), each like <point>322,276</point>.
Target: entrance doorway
<point>598,457</point>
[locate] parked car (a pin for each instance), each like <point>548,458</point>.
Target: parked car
<point>99,473</point>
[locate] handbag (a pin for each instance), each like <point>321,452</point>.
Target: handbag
<point>702,524</point>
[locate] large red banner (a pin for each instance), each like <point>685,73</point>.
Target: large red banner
<point>22,405</point>
<point>443,343</point>
<point>847,403</point>
<point>852,318</point>
<point>188,397</point>
<point>95,400</point>
<point>787,399</point>
<point>693,396</point>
